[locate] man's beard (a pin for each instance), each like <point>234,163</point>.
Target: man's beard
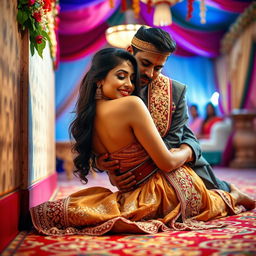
<point>145,80</point>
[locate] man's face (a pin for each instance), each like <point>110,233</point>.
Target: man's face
<point>150,65</point>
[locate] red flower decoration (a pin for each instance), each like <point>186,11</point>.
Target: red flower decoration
<point>39,39</point>
<point>31,2</point>
<point>190,9</point>
<point>37,16</point>
<point>47,5</point>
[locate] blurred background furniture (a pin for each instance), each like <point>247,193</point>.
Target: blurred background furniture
<point>64,153</point>
<point>244,140</point>
<point>213,148</point>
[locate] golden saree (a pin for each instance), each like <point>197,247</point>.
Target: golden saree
<point>177,200</point>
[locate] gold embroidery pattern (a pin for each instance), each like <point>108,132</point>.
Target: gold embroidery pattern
<point>50,214</point>
<point>130,207</point>
<point>190,199</point>
<point>150,199</point>
<point>84,216</point>
<point>150,227</point>
<point>238,209</point>
<point>159,103</point>
<point>147,47</point>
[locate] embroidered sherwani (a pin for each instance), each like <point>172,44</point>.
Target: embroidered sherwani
<point>178,131</point>
<point>178,200</point>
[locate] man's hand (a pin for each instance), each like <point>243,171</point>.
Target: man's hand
<point>103,162</point>
<point>124,182</point>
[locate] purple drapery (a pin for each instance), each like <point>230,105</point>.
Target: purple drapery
<point>81,29</point>
<point>197,42</point>
<point>203,43</point>
<point>77,46</point>
<point>76,5</point>
<point>86,19</point>
<point>228,5</point>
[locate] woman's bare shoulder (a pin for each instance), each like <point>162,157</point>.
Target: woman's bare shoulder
<point>122,106</point>
<point>130,104</point>
<point>127,103</point>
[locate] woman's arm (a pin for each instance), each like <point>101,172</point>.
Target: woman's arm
<point>147,134</point>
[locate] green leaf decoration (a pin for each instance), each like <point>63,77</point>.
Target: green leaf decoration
<point>40,48</point>
<point>36,28</point>
<point>22,16</point>
<point>32,48</point>
<point>43,33</point>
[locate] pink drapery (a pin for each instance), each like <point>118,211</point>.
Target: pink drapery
<point>190,41</point>
<point>84,20</point>
<point>74,47</point>
<point>228,5</point>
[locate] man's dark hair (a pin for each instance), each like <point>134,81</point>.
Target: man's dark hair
<point>158,37</point>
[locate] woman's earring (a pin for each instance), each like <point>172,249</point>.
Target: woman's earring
<point>98,94</point>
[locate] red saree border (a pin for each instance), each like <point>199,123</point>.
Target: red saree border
<point>42,218</point>
<point>190,202</point>
<point>51,218</point>
<point>160,103</point>
<point>233,210</point>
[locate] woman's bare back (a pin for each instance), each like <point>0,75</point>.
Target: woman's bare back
<point>111,126</point>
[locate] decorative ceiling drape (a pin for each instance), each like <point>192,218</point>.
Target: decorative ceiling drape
<point>83,23</point>
<point>82,32</point>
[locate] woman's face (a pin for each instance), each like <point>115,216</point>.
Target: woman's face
<point>210,110</point>
<point>193,111</point>
<point>119,81</point>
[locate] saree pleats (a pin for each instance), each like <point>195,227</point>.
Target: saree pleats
<point>178,200</point>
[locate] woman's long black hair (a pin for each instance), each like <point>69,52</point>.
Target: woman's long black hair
<point>81,128</point>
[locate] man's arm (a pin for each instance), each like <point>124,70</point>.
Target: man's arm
<point>179,133</point>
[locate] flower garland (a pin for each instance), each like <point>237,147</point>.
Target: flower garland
<point>243,21</point>
<point>135,4</point>
<point>40,18</point>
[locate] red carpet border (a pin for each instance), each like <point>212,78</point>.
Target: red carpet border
<point>237,239</point>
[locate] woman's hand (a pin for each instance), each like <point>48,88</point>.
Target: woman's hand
<point>124,182</point>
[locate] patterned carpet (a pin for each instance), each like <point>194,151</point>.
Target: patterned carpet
<point>236,239</point>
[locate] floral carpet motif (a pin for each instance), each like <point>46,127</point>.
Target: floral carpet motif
<point>236,239</point>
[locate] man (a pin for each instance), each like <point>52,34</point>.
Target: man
<point>165,99</point>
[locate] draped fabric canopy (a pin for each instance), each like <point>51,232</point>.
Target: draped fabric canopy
<point>83,23</point>
<point>82,32</point>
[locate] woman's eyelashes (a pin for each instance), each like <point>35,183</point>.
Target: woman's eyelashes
<point>121,77</point>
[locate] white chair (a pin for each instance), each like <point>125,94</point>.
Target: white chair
<point>213,147</point>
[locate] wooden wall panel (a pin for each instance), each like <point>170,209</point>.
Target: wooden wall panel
<point>10,76</point>
<point>27,116</point>
<point>41,117</point>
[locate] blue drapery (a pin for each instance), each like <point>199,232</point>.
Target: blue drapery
<point>68,77</point>
<point>197,73</point>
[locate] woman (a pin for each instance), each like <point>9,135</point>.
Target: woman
<point>110,120</point>
<point>210,119</point>
<point>195,119</point>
